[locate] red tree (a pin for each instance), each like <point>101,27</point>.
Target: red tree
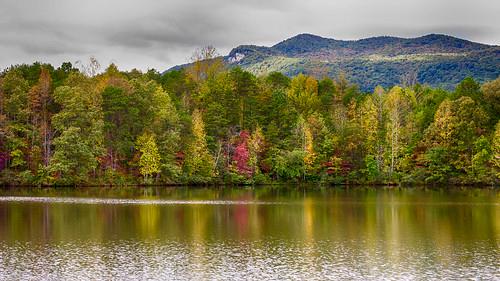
<point>242,155</point>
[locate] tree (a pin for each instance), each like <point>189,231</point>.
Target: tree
<point>307,143</point>
<point>62,126</point>
<point>378,101</point>
<point>39,102</point>
<point>91,68</point>
<point>450,140</point>
<point>303,94</point>
<point>125,111</point>
<point>222,105</point>
<point>288,165</point>
<point>277,80</point>
<point>491,94</point>
<point>205,64</point>
<point>256,145</point>
<point>468,88</point>
<point>150,160</point>
<point>165,124</point>
<point>399,104</point>
<point>481,155</point>
<point>79,125</point>
<point>199,163</point>
<point>241,156</point>
<point>244,88</point>
<point>326,92</point>
<point>14,115</point>
<point>496,151</point>
<point>369,119</point>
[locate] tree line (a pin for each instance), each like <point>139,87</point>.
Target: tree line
<point>206,124</point>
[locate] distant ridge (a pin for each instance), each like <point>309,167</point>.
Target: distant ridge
<point>435,59</point>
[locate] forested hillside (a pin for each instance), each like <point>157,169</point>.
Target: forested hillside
<point>209,124</point>
<point>435,60</point>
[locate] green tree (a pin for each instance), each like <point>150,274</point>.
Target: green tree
<point>79,124</point>
<point>166,126</point>
<point>244,86</point>
<point>453,133</point>
<point>125,112</point>
<point>496,151</point>
<point>468,88</point>
<point>481,155</point>
<point>491,94</point>
<point>15,128</point>
<point>288,165</point>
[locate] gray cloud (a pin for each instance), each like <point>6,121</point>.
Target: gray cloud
<point>159,34</point>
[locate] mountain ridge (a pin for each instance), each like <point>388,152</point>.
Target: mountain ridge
<point>436,59</point>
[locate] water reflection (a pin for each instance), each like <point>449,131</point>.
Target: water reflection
<point>270,233</point>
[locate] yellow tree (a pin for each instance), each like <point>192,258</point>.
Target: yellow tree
<point>398,105</point>
<point>199,163</point>
<point>369,123</point>
<point>256,147</point>
<point>307,141</point>
<point>444,125</point>
<point>150,160</point>
<point>303,94</point>
<point>370,128</point>
<point>378,99</point>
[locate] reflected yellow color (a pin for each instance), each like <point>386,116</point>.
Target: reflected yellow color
<point>386,224</point>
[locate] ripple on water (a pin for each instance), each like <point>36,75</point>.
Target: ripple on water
<point>115,201</point>
<point>237,260</point>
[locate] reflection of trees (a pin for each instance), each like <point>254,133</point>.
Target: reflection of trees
<point>369,221</point>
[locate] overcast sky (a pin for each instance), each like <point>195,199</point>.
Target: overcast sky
<point>159,34</point>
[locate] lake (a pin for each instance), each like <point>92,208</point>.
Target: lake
<point>263,233</point>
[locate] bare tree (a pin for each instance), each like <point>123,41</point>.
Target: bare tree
<point>409,79</point>
<point>91,69</point>
<point>204,53</point>
<point>205,63</point>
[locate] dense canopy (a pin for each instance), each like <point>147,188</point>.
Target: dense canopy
<point>206,124</point>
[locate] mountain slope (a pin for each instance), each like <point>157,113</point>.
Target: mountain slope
<point>434,59</point>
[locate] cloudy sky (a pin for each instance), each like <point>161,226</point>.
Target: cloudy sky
<point>159,34</point>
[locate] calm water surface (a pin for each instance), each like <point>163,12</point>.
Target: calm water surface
<point>249,234</point>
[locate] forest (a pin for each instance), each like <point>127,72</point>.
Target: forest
<point>208,124</point>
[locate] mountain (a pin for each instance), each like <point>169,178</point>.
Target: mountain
<point>434,59</point>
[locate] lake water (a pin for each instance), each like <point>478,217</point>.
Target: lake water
<point>292,233</point>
